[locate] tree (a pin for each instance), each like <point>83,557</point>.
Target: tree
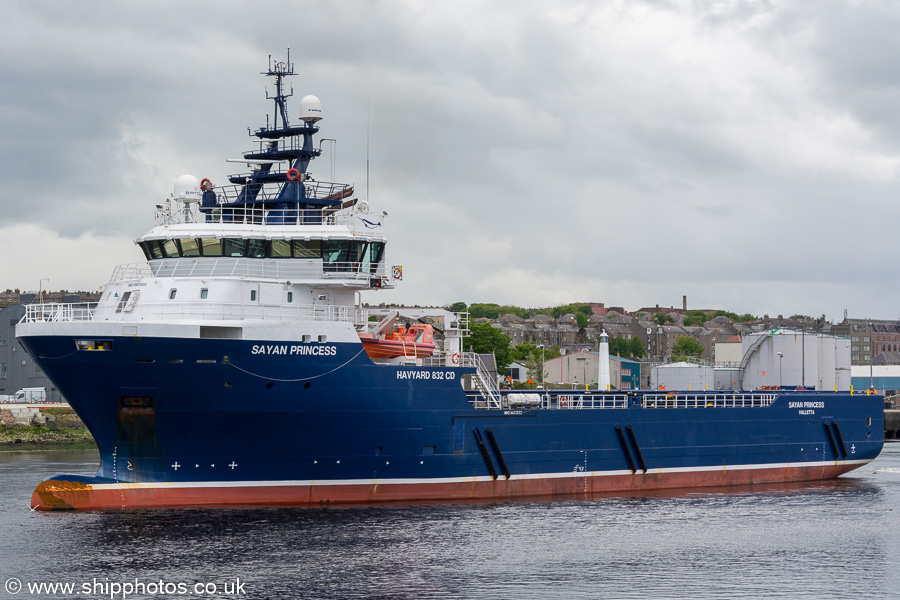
<point>636,348</point>
<point>484,338</point>
<point>662,319</point>
<point>458,307</point>
<point>686,348</point>
<point>618,346</point>
<point>630,348</point>
<point>695,317</point>
<point>533,357</point>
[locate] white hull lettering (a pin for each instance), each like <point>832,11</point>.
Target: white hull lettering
<point>294,349</point>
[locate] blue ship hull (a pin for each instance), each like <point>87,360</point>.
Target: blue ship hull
<point>187,422</point>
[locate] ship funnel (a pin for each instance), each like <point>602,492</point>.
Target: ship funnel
<point>187,189</point>
<point>310,109</point>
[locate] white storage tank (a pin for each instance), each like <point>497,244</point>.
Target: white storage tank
<point>794,359</point>
<point>682,376</point>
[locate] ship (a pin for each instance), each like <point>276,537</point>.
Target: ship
<point>240,365</point>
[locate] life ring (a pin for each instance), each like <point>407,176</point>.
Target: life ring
<point>206,184</point>
<point>293,175</point>
<point>454,358</point>
<point>563,401</point>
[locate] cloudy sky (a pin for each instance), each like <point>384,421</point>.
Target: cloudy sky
<point>743,153</point>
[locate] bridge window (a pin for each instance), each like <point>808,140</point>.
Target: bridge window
<point>211,247</point>
<point>281,248</point>
<point>170,248</point>
<point>256,248</point>
<point>189,247</point>
<point>343,255</point>
<point>233,247</point>
<point>151,249</point>
<point>307,248</point>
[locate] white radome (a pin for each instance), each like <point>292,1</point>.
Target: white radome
<point>310,109</point>
<point>187,189</point>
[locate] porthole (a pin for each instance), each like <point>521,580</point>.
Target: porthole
<point>306,385</point>
<point>227,384</point>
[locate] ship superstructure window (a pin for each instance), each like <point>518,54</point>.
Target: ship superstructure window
<point>281,248</point>
<point>204,293</point>
<point>123,302</point>
<point>170,248</point>
<point>343,255</point>
<point>253,295</point>
<point>372,257</point>
<point>189,247</point>
<point>307,248</point>
<point>211,247</point>
<point>256,248</point>
<point>172,293</point>
<point>338,255</point>
<point>290,296</point>
<point>234,247</point>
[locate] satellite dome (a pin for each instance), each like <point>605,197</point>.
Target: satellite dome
<point>187,189</point>
<point>310,109</point>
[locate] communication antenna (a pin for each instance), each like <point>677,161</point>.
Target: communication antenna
<point>367,151</point>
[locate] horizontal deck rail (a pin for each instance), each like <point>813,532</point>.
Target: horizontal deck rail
<point>569,400</point>
<point>185,311</point>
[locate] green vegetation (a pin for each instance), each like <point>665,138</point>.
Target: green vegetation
<point>478,310</point>
<point>487,339</point>
<point>630,348</point>
<point>663,319</point>
<point>21,438</point>
<point>686,348</point>
<point>699,317</point>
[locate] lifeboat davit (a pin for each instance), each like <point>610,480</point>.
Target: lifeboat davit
<point>415,341</point>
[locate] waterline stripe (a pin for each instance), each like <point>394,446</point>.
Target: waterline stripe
<point>442,480</point>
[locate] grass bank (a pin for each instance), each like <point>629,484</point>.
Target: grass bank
<point>63,431</point>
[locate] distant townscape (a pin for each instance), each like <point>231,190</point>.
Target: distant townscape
<point>519,339</point>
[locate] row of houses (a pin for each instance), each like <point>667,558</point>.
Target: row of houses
<point>873,341</point>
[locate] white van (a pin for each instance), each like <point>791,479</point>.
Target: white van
<point>26,395</point>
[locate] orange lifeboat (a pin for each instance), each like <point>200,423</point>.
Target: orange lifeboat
<point>415,341</point>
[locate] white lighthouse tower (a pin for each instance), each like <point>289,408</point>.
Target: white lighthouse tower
<point>603,359</point>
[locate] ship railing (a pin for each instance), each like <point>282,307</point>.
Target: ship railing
<point>131,271</point>
<point>272,192</point>
<point>574,400</point>
<point>49,313</point>
<point>225,214</point>
<point>184,311</point>
<point>538,399</point>
<point>724,399</point>
<point>295,269</point>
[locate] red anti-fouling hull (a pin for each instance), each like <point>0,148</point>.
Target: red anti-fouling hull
<point>75,495</point>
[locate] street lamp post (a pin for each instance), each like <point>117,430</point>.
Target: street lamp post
<point>41,290</point>
<point>780,357</point>
<point>542,365</point>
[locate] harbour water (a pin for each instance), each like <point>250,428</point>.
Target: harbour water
<point>836,539</point>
